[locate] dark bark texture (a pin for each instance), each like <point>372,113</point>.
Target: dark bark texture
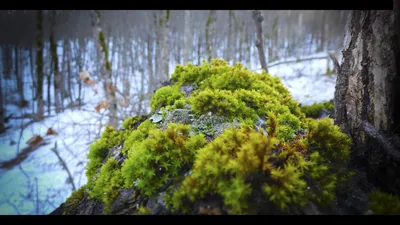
<point>364,102</point>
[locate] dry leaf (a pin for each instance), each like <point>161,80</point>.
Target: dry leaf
<point>35,140</point>
<point>124,103</point>
<point>84,76</point>
<point>102,105</point>
<point>111,87</point>
<point>210,211</point>
<point>91,82</point>
<point>50,131</point>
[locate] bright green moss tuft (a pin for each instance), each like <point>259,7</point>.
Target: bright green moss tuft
<point>384,204</point>
<point>131,121</point>
<point>328,140</point>
<point>160,157</point>
<point>108,184</point>
<point>138,135</point>
<point>165,96</point>
<point>100,148</point>
<point>314,110</point>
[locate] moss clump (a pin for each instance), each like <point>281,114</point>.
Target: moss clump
<point>328,140</point>
<point>279,165</point>
<point>130,122</point>
<point>75,198</point>
<point>159,158</point>
<point>99,149</point>
<point>225,166</point>
<point>384,203</point>
<point>108,184</point>
<point>314,110</point>
<point>165,96</point>
<point>138,135</point>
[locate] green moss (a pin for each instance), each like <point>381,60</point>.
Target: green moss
<point>165,96</point>
<point>75,198</point>
<point>328,140</point>
<point>159,158</point>
<point>100,148</point>
<point>314,110</point>
<point>108,184</point>
<point>238,164</point>
<point>102,40</point>
<point>138,135</point>
<point>130,122</point>
<point>384,203</point>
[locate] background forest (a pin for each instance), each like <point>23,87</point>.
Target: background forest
<point>58,93</point>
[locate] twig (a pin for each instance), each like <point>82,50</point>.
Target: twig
<point>64,165</point>
<point>37,196</point>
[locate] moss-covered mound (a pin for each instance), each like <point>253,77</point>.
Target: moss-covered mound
<point>221,140</point>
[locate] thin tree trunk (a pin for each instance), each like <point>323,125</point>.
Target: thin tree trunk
<point>199,48</point>
<point>164,48</point>
<point>19,77</point>
<point>54,56</point>
<point>81,45</point>
<point>48,76</point>
<point>258,20</point>
<point>210,34</point>
<point>188,38</point>
<point>69,73</point>
<point>2,108</point>
<point>229,42</point>
<point>105,68</point>
<point>7,60</point>
<point>39,64</point>
<point>150,62</point>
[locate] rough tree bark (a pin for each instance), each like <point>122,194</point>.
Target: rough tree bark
<point>105,68</point>
<point>188,38</point>
<point>210,34</point>
<point>364,99</point>
<point>150,86</point>
<point>39,65</point>
<point>54,56</point>
<point>258,20</point>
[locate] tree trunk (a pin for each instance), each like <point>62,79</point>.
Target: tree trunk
<point>7,60</point>
<point>81,45</point>
<point>69,73</point>
<point>150,85</point>
<point>164,49</point>
<point>258,20</point>
<point>39,65</point>
<point>54,56</point>
<point>19,77</point>
<point>105,68</point>
<point>199,48</point>
<point>188,38</point>
<point>229,42</point>
<point>210,34</point>
<point>2,108</point>
<point>366,86</point>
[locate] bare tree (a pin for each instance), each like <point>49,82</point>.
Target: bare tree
<point>54,57</point>
<point>188,38</point>
<point>258,20</point>
<point>210,34</point>
<point>39,64</point>
<point>105,68</point>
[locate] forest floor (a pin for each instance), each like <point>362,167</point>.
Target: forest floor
<point>39,183</point>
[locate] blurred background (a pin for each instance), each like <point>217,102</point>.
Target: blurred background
<point>53,101</point>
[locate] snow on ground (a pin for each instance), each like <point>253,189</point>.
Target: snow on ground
<point>78,128</point>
